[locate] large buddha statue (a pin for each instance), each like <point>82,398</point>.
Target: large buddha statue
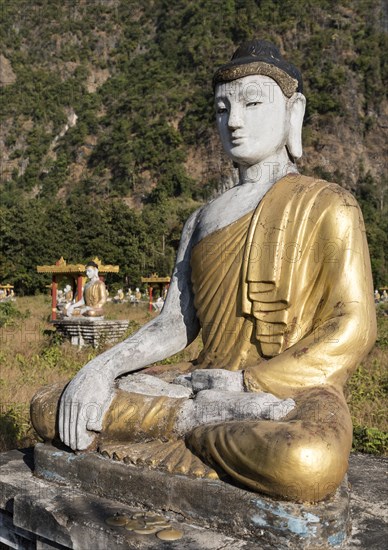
<point>276,273</point>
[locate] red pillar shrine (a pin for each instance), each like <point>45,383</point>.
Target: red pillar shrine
<point>73,272</point>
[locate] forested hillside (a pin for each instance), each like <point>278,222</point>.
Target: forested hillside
<point>107,132</point>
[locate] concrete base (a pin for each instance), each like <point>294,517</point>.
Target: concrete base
<point>91,331</point>
<point>36,514</point>
<point>40,515</point>
<point>207,503</point>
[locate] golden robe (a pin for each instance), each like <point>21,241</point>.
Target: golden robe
<point>290,283</point>
<point>95,294</point>
<point>285,293</point>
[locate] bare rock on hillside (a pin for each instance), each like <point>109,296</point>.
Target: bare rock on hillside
<point>7,76</point>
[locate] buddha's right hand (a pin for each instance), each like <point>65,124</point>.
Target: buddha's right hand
<point>83,406</point>
<point>212,379</point>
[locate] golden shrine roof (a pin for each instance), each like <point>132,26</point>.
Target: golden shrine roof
<point>155,279</point>
<point>61,266</point>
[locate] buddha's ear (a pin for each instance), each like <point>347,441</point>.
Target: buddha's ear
<point>297,108</point>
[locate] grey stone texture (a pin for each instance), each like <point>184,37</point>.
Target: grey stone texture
<point>38,514</point>
<point>88,331</point>
<point>151,385</point>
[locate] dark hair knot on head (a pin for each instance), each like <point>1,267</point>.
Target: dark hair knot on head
<point>257,48</point>
<point>92,264</point>
<point>260,57</point>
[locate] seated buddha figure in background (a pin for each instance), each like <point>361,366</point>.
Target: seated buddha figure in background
<point>94,295</point>
<point>276,273</point>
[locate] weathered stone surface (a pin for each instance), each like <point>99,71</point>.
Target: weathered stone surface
<point>207,503</point>
<point>47,516</point>
<point>84,331</point>
<point>32,510</point>
<point>12,536</point>
<point>151,385</point>
<point>369,498</point>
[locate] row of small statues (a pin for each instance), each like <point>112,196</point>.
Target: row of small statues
<point>129,296</point>
<point>137,296</point>
<point>381,297</point>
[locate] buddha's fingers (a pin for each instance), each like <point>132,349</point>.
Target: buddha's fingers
<point>63,421</point>
<point>60,422</point>
<point>74,418</point>
<point>84,438</point>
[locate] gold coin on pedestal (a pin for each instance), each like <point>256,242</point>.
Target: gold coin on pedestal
<point>134,524</point>
<point>170,534</point>
<point>117,521</point>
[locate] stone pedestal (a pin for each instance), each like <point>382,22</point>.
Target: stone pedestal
<point>59,511</point>
<point>91,331</point>
<point>44,515</point>
<point>207,503</point>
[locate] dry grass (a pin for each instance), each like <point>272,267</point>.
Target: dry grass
<point>368,391</point>
<point>32,355</point>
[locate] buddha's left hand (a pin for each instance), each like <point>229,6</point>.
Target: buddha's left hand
<point>212,379</point>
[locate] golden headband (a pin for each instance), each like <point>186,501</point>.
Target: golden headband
<point>287,84</point>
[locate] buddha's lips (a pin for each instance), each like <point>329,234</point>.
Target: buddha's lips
<point>235,139</point>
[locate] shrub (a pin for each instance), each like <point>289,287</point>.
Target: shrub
<point>9,314</point>
<point>370,440</point>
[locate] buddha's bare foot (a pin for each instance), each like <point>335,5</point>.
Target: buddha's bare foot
<point>171,456</point>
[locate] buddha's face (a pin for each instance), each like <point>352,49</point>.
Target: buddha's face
<point>252,118</point>
<point>91,272</point>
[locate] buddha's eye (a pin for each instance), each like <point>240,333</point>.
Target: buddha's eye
<point>221,110</point>
<point>253,103</point>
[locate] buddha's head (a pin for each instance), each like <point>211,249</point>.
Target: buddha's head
<point>259,105</point>
<point>91,270</point>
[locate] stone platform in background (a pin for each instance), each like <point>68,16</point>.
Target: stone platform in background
<point>91,331</point>
<point>64,510</point>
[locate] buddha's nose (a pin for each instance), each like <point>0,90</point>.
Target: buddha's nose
<point>235,118</point>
